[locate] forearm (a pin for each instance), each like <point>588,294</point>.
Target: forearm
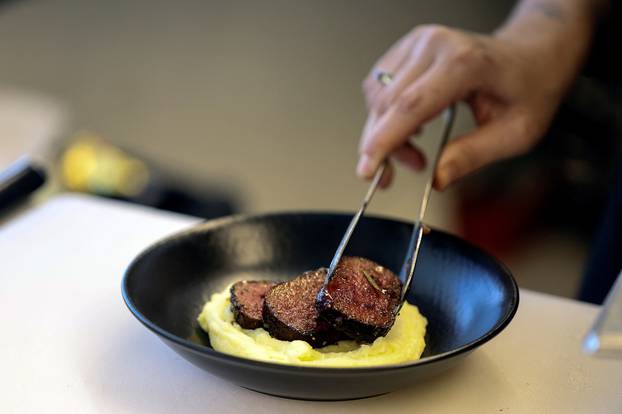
<point>555,33</point>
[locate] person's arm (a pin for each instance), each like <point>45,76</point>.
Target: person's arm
<point>556,34</point>
<point>513,81</point>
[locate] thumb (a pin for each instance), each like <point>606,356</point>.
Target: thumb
<point>496,140</point>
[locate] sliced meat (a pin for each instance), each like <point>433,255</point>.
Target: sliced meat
<point>289,311</point>
<point>360,299</point>
<point>247,302</point>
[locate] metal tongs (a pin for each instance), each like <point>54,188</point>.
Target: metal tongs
<point>419,228</point>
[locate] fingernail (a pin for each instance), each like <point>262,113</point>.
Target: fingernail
<point>364,168</point>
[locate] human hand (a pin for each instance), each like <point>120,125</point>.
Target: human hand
<point>513,89</point>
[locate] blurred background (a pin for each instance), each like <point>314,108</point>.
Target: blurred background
<point>212,108</point>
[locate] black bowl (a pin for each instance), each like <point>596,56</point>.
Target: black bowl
<point>467,296</point>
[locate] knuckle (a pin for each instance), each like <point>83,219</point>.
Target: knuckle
<point>380,104</point>
<point>467,55</point>
<point>370,83</point>
<point>367,86</point>
<point>434,33</point>
<point>386,99</point>
<point>419,31</point>
<point>408,101</point>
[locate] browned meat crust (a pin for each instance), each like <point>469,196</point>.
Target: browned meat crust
<point>360,299</point>
<point>289,311</point>
<point>247,299</point>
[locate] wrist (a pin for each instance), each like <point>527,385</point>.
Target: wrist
<point>551,36</point>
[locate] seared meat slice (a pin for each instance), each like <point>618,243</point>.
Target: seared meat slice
<point>360,299</point>
<point>289,311</point>
<point>247,302</point>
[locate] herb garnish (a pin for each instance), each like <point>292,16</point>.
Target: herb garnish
<point>372,282</point>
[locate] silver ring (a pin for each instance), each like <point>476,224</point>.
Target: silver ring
<point>383,77</point>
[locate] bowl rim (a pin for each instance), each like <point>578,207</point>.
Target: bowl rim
<point>211,353</point>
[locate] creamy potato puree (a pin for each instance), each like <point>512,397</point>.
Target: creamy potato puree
<point>403,343</point>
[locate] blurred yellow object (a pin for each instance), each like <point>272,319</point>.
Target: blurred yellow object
<point>90,164</point>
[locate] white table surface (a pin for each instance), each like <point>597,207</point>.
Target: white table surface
<point>68,343</point>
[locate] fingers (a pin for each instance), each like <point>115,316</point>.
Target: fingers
<point>369,123</point>
<point>405,76</point>
<point>387,176</point>
<point>410,156</point>
<point>499,139</point>
<point>436,89</point>
<point>390,62</point>
<point>419,61</point>
<point>364,161</point>
<point>407,155</point>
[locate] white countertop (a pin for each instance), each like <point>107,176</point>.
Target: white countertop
<point>69,344</point>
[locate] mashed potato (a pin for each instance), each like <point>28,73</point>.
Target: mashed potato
<point>404,343</point>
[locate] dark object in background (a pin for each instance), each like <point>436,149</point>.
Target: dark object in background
<point>247,297</point>
<point>572,187</point>
<point>166,286</point>
<point>92,165</point>
<point>289,311</point>
<point>18,181</point>
<point>180,197</point>
<point>360,299</point>
<point>605,261</point>
<point>562,185</point>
